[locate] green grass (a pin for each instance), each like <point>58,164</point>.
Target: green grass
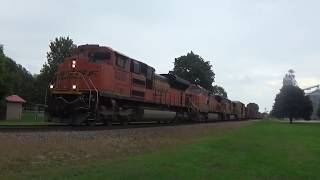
<point>28,118</point>
<point>262,150</point>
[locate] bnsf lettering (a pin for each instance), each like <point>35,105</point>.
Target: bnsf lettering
<point>71,74</point>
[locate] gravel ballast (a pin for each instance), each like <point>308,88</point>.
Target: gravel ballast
<point>20,149</point>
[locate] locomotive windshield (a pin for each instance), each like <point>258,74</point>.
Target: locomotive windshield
<point>99,57</point>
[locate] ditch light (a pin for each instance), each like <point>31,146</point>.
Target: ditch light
<point>74,64</point>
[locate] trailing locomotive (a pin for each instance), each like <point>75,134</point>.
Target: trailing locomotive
<point>99,84</point>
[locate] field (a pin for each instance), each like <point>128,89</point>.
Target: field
<point>234,150</point>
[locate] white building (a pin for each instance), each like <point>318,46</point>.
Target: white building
<point>315,98</point>
<point>14,107</point>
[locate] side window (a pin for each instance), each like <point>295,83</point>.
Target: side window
<point>150,73</point>
<point>136,67</point>
<point>121,61</point>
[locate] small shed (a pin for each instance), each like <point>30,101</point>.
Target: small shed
<point>14,107</point>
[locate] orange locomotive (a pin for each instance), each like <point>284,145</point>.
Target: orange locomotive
<point>99,84</point>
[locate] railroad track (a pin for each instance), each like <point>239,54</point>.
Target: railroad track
<point>97,127</point>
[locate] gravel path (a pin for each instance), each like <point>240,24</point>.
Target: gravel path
<point>22,149</point>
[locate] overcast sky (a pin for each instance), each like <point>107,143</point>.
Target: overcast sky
<point>250,43</point>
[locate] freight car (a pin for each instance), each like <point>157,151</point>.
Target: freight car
<point>252,111</point>
<point>99,84</point>
<point>238,110</point>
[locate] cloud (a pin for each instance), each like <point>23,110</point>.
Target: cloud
<point>251,44</point>
<point>305,82</point>
<point>275,83</point>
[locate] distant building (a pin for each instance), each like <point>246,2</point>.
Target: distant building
<point>315,98</point>
<point>14,107</point>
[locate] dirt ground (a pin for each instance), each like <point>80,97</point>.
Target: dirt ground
<point>38,149</point>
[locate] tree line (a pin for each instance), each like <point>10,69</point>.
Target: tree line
<point>15,79</point>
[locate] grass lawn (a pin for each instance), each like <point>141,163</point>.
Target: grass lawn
<point>261,150</point>
<point>28,118</point>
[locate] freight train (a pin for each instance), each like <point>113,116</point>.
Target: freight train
<point>100,85</point>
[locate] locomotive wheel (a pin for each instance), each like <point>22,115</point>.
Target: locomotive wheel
<point>202,119</point>
<point>91,123</point>
<point>107,121</point>
<point>78,118</point>
<point>124,121</point>
<point>205,118</point>
<point>174,120</point>
<point>223,117</point>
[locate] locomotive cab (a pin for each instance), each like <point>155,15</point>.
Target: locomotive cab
<point>82,71</point>
<point>93,75</point>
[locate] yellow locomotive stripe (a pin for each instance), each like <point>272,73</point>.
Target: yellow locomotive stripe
<point>66,92</point>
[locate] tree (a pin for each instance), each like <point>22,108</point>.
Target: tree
<point>14,79</point>
<point>3,88</point>
<point>219,91</point>
<point>60,48</point>
<point>194,69</point>
<point>291,103</point>
<point>2,74</point>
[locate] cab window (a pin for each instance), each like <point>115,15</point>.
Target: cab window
<point>150,73</point>
<point>99,57</point>
<point>121,61</point>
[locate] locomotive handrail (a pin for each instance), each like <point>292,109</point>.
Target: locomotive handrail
<point>68,102</point>
<point>97,92</point>
<point>88,84</point>
<point>192,106</point>
<point>85,81</point>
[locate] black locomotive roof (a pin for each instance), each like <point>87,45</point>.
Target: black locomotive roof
<point>160,77</point>
<point>176,81</point>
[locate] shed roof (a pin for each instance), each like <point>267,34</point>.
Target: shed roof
<point>314,93</point>
<point>15,99</point>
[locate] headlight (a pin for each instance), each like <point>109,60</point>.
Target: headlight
<point>74,87</point>
<point>74,64</point>
<point>51,86</point>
